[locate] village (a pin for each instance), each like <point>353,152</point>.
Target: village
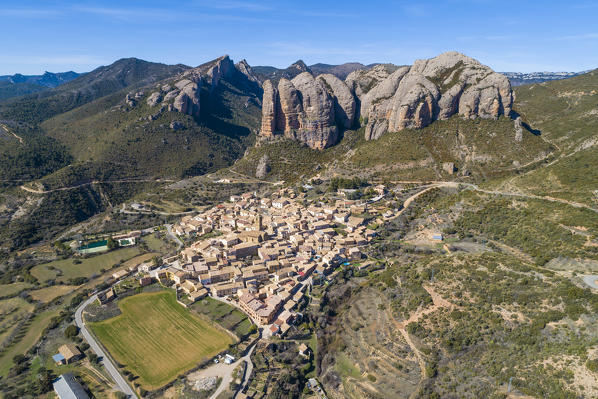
<point>261,253</point>
<point>269,256</point>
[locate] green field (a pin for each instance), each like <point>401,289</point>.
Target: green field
<point>34,332</point>
<point>86,268</point>
<point>47,294</point>
<point>156,244</point>
<point>12,311</point>
<point>226,315</point>
<point>136,261</point>
<point>158,339</point>
<point>11,289</point>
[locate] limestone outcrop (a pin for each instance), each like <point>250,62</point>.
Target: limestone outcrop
<point>438,88</point>
<point>223,67</point>
<point>301,109</point>
<point>269,103</point>
<point>385,98</point>
<point>188,99</point>
<point>243,67</point>
<point>183,93</point>
<point>263,167</point>
<point>344,102</point>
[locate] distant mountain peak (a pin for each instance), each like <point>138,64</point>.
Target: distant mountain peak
<point>300,65</point>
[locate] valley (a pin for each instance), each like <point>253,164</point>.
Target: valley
<point>340,231</point>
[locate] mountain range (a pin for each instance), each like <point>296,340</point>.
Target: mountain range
<point>134,121</point>
<point>470,199</point>
<point>18,85</point>
<point>523,78</point>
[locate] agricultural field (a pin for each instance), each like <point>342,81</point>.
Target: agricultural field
<point>136,261</point>
<point>12,312</point>
<point>48,294</point>
<point>226,315</point>
<point>11,289</point>
<point>32,332</point>
<point>65,269</point>
<point>157,339</point>
<point>156,244</point>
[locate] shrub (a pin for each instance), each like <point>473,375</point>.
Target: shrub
<point>71,331</point>
<point>592,365</point>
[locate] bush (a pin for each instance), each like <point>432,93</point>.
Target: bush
<point>71,331</point>
<point>592,365</point>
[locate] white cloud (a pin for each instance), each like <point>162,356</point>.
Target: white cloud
<point>583,36</point>
<point>28,13</point>
<point>235,5</point>
<point>134,14</point>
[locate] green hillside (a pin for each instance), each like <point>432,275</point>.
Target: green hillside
<point>104,152</point>
<point>127,72</point>
<point>11,90</point>
<point>480,149</point>
<point>566,114</point>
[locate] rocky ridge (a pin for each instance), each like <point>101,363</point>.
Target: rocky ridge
<point>307,109</point>
<point>438,88</point>
<point>183,92</point>
<point>390,98</point>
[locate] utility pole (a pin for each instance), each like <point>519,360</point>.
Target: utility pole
<point>509,387</point>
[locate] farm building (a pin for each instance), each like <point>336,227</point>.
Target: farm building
<point>67,387</point>
<point>143,281</point>
<point>304,350</point>
<point>106,296</point>
<point>437,237</point>
<point>58,359</point>
<point>70,353</point>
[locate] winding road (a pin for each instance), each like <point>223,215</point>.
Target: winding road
<point>172,235</point>
<point>38,191</point>
<point>7,130</point>
<point>95,346</point>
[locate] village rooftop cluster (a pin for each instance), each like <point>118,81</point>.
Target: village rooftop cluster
<point>264,251</point>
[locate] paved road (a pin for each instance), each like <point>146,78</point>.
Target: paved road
<point>226,371</point>
<point>249,367</point>
<point>108,365</point>
<point>174,236</point>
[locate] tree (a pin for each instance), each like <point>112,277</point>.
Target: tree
<point>112,244</point>
<point>94,358</point>
<point>71,331</point>
<point>43,383</point>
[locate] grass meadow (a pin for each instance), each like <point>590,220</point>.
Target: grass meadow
<point>157,339</point>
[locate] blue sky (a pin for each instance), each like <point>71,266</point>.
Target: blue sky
<point>507,35</point>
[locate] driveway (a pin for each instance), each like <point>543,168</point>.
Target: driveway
<point>225,371</point>
<point>95,346</point>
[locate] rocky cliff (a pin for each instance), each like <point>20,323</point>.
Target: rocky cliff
<point>306,109</point>
<point>384,98</point>
<point>413,97</point>
<point>183,92</point>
